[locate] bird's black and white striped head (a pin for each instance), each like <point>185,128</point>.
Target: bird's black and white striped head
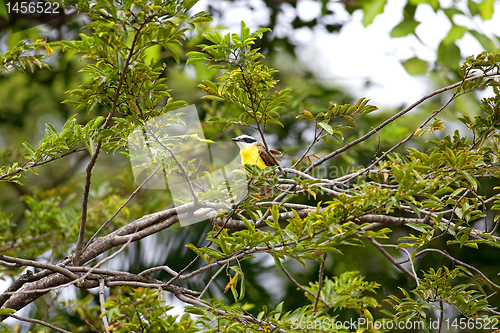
<point>244,141</point>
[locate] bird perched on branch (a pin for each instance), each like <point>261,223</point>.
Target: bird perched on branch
<point>254,153</point>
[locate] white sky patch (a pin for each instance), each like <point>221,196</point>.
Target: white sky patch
<point>434,27</point>
<point>358,54</point>
<point>308,10</point>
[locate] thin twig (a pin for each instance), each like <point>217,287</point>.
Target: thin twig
<point>391,259</point>
<point>52,159</point>
<point>399,144</point>
<point>210,282</point>
<point>257,122</point>
<point>172,154</point>
<point>26,262</point>
<point>316,138</point>
<point>159,268</point>
<point>102,300</point>
<point>40,322</point>
<point>140,319</point>
<point>290,277</point>
<point>86,192</point>
<point>320,282</point>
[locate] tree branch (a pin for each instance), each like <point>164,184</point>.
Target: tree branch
<point>391,119</point>
<point>40,322</point>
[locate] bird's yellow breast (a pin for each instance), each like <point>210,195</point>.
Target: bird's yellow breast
<point>250,155</point>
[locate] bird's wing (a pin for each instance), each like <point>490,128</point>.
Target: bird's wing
<point>268,160</point>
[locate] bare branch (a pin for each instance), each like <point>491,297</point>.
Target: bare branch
<point>102,301</point>
<point>40,322</point>
<point>25,262</point>
<point>391,259</point>
<point>211,280</point>
<point>290,277</point>
<point>320,281</point>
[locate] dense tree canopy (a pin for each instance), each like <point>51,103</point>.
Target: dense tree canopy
<point>378,219</point>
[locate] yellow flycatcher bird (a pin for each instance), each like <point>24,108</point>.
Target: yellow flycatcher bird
<point>253,152</point>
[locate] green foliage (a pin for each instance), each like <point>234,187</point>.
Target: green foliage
<point>345,292</point>
<point>144,310</point>
<point>440,286</point>
<point>21,57</point>
<point>245,83</point>
<point>55,145</point>
<point>333,112</point>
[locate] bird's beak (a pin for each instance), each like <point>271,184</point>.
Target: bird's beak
<point>235,139</point>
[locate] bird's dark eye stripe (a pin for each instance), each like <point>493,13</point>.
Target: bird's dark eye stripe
<point>248,140</point>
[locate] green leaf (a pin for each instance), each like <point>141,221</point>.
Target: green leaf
<point>415,66</point>
<point>275,214</point>
<point>449,54</point>
<point>249,225</point>
<point>485,9</point>
<point>30,148</point>
<point>404,245</point>
<point>372,9</point>
<point>471,245</point>
<point>485,41</point>
<point>450,12</point>
<point>242,288</point>
<point>404,28</point>
<point>196,250</point>
<point>472,181</point>
<point>196,54</point>
<point>456,32</point>
<point>419,227</point>
<point>465,237</point>
<point>6,311</point>
<point>473,8</point>
<point>174,105</point>
<point>172,52</point>
<point>194,60</point>
<point>326,127</point>
<point>276,260</point>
